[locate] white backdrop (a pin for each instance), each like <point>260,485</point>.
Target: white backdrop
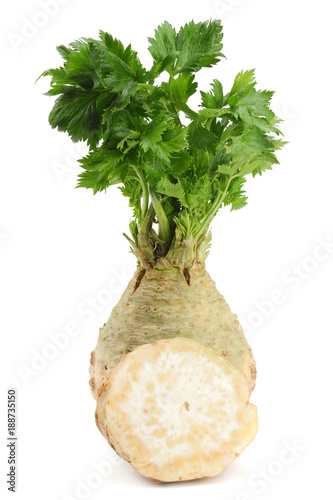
<point>64,262</point>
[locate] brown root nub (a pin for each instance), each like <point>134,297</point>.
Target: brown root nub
<point>187,275</point>
<point>176,410</point>
<point>139,279</point>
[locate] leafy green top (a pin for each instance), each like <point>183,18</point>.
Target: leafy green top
<point>177,176</point>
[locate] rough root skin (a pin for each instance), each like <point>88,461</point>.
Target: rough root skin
<point>176,410</point>
<point>164,306</point>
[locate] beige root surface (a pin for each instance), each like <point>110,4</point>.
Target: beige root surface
<point>164,306</point>
<point>176,410</point>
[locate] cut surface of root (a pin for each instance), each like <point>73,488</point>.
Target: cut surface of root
<point>176,410</point>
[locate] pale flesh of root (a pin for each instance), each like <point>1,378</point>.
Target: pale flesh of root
<point>176,410</point>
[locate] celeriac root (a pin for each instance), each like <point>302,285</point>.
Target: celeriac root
<point>172,373</point>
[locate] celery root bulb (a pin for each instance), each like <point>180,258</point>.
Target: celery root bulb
<point>172,374</point>
<point>160,304</point>
<point>176,410</point>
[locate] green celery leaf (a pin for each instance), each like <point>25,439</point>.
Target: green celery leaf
<point>164,46</point>
<point>235,196</point>
<point>214,113</point>
<point>181,88</point>
<point>128,142</point>
<point>198,45</point>
<point>251,105</point>
<point>165,186</point>
<point>244,81</point>
<point>102,168</point>
<point>179,163</point>
<point>82,65</point>
<point>116,57</point>
<point>213,99</point>
<point>174,138</point>
<point>133,190</point>
<point>153,174</point>
<point>200,137</point>
<point>78,112</point>
<point>154,130</point>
